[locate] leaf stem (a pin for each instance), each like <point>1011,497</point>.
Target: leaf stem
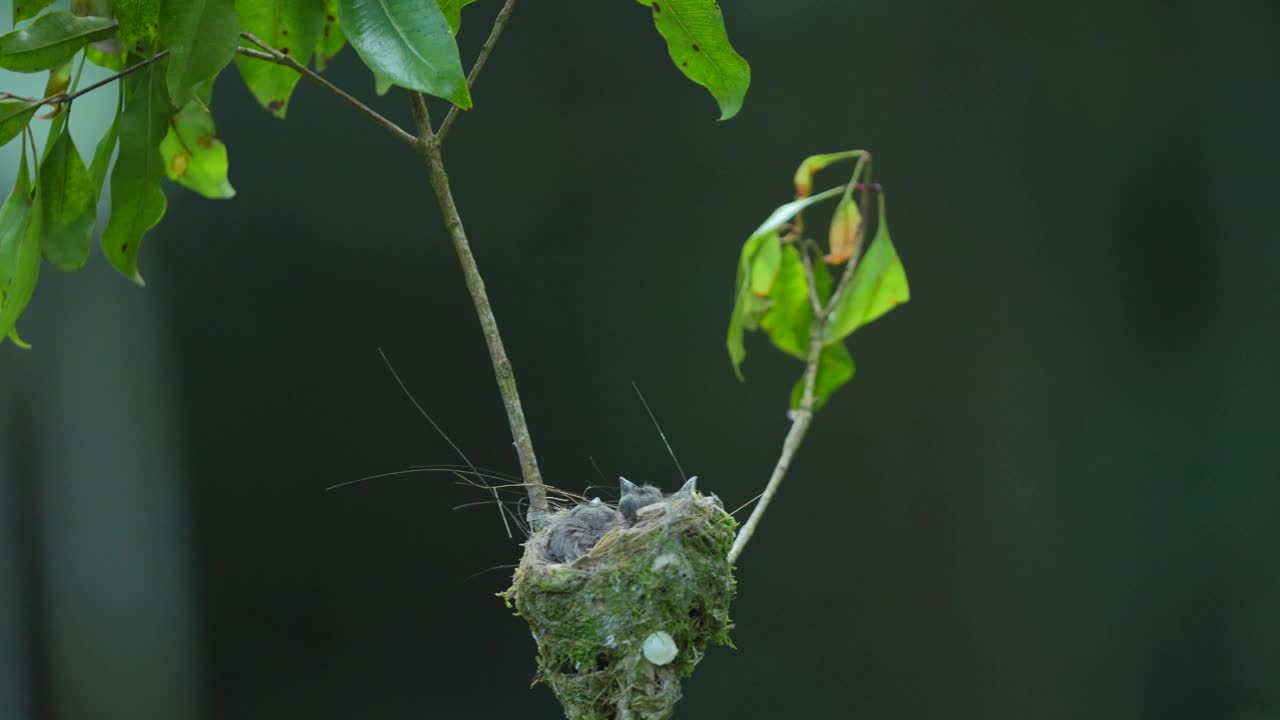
<point>429,147</point>
<point>270,54</point>
<point>66,98</point>
<point>499,24</point>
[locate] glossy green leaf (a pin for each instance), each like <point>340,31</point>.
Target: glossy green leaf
<point>381,84</point>
<point>139,22</point>
<point>742,314</point>
<point>202,36</point>
<point>27,9</point>
<point>879,285</point>
<point>51,40</point>
<point>813,164</point>
<point>294,28</point>
<point>14,117</point>
<point>14,215</point>
<point>332,39</point>
<point>835,368</point>
<point>408,42</point>
<point>102,156</point>
<point>193,156</point>
<point>452,10</point>
<point>790,312</point>
<point>26,269</point>
<point>69,203</point>
<point>699,47</point>
<point>137,202</point>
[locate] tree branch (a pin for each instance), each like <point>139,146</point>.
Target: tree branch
<point>803,416</point>
<point>65,98</point>
<point>499,24</point>
<point>429,147</point>
<point>270,54</point>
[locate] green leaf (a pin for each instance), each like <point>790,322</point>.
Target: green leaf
<point>26,9</point>
<point>14,117</point>
<point>102,155</point>
<point>137,202</point>
<point>139,21</point>
<point>193,157</point>
<point>26,268</point>
<point>381,84</point>
<point>790,312</point>
<point>746,305</point>
<point>14,215</point>
<point>408,42</point>
<point>69,204</point>
<point>332,39</point>
<point>879,284</point>
<point>783,214</point>
<point>452,10</point>
<point>835,368</point>
<point>111,61</point>
<point>202,36</point>
<point>291,26</point>
<point>699,46</point>
<point>764,266</point>
<point>17,339</point>
<point>51,40</point>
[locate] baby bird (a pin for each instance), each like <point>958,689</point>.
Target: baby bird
<point>635,497</point>
<point>577,533</point>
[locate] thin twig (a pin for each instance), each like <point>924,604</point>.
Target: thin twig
<point>270,54</point>
<point>66,98</point>
<point>429,146</point>
<point>499,24</point>
<point>802,416</point>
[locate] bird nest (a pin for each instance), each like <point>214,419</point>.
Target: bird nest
<point>619,626</point>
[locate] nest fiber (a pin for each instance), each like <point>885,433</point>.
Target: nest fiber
<point>620,626</point>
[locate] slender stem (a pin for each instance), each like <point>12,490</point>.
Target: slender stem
<point>66,98</point>
<point>270,54</point>
<point>429,147</point>
<point>800,420</point>
<point>499,24</point>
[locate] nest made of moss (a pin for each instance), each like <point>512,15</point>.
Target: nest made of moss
<point>618,627</point>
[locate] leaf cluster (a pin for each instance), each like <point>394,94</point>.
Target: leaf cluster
<point>166,54</point>
<point>785,287</point>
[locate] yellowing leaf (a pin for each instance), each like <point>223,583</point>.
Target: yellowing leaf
<point>814,163</point>
<point>846,232</point>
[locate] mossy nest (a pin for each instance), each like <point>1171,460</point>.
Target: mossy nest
<point>620,626</point>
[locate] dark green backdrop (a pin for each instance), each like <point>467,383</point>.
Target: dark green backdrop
<point>1051,491</point>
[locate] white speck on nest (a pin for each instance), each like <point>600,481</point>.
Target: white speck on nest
<point>660,648</point>
<point>664,560</point>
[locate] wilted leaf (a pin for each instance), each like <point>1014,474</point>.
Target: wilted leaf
<point>835,368</point>
<point>193,156</point>
<point>790,313</point>
<point>69,204</point>
<point>51,40</point>
<point>408,42</point>
<point>26,9</point>
<point>743,304</point>
<point>332,39</point>
<point>137,202</point>
<point>699,47</point>
<point>764,266</point>
<point>59,80</point>
<point>14,215</point>
<point>202,36</point>
<point>102,156</point>
<point>814,163</point>
<point>783,214</point>
<point>846,232</point>
<point>14,117</point>
<point>291,26</point>
<point>879,284</point>
<point>26,269</point>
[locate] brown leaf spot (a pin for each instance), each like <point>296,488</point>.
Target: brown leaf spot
<point>684,63</point>
<point>331,18</point>
<point>284,51</point>
<point>124,248</point>
<point>206,141</point>
<point>275,105</point>
<point>180,163</point>
<point>283,31</point>
<point>696,48</point>
<point>656,9</point>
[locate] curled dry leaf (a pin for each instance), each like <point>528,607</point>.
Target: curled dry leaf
<point>846,232</point>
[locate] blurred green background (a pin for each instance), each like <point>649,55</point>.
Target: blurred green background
<point>1052,490</point>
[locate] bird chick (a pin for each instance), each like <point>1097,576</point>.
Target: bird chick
<point>635,497</point>
<point>573,535</point>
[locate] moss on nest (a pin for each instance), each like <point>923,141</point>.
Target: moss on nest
<point>667,573</point>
